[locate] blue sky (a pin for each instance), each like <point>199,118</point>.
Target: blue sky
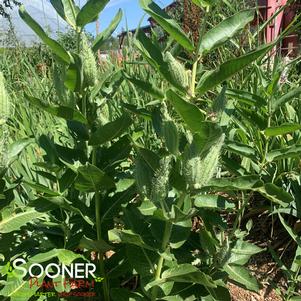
<point>132,13</point>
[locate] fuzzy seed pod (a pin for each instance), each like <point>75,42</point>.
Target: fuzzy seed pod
<point>89,63</point>
<point>5,103</point>
<point>176,70</point>
<point>199,169</point>
<point>160,181</point>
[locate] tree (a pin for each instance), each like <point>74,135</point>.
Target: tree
<point>6,5</point>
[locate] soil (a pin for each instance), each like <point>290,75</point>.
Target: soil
<point>266,232</point>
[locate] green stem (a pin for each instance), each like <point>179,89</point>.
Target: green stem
<point>105,286</point>
<point>193,78</point>
<point>166,237</point>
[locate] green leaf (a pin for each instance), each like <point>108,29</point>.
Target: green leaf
<point>103,36</point>
<point>59,111</point>
<point>41,188</point>
<point>241,149</point>
<point>66,10</point>
<point>230,68</point>
<point>189,112</point>
<point>91,179</point>
<point>224,31</point>
<point>95,245</point>
<point>283,153</point>
<point>290,231</point>
<point>242,252</point>
<point>110,130</point>
<point>17,289</point>
<point>241,275</point>
<point>15,221</point>
<point>18,146</point>
<point>74,76</point>
<point>167,23</point>
<point>65,256</point>
<point>147,87</point>
<point>90,11</point>
<point>282,129</point>
<point>285,98</point>
<point>129,237</point>
<point>239,183</point>
<point>187,273</point>
<point>276,194</point>
<point>246,97</point>
<point>52,44</point>
<point>213,201</point>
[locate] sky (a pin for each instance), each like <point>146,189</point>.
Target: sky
<point>46,16</point>
<point>132,14</point>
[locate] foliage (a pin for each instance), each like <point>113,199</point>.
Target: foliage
<point>137,164</point>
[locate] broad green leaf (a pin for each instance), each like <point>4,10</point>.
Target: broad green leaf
<point>150,52</point>
<point>239,183</point>
<point>110,130</point>
<point>142,260</point>
<point>15,221</point>
<point>52,44</point>
<point>246,97</point>
<point>242,252</point>
<point>213,201</point>
<point>17,289</point>
<point>241,275</point>
<point>40,188</point>
<point>153,55</point>
<point>147,87</point>
<point>224,31</point>
<point>91,179</point>
<point>187,273</point>
<point>45,204</point>
<point>230,68</point>
<point>189,112</point>
<point>65,256</point>
<point>67,10</point>
<point>276,194</point>
<point>129,237</point>
<point>282,129</point>
<point>283,153</point>
<point>74,77</point>
<point>102,37</point>
<point>167,23</point>
<point>241,149</point>
<point>59,111</point>
<point>276,104</point>
<point>90,11</point>
<point>290,231</point>
<point>17,147</point>
<point>94,245</point>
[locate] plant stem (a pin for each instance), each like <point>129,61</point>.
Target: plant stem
<point>105,286</point>
<point>193,78</point>
<point>166,237</point>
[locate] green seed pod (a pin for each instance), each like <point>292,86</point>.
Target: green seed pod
<point>160,181</point>
<point>199,169</point>
<point>176,70</point>
<point>171,136</point>
<point>5,103</point>
<point>89,63</point>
